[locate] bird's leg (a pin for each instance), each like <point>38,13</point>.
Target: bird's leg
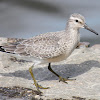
<point>35,83</point>
<point>60,78</point>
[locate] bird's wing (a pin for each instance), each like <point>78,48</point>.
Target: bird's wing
<point>41,46</point>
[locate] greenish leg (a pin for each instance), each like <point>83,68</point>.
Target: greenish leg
<point>35,83</point>
<point>60,78</point>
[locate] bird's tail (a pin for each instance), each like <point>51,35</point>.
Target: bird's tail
<point>8,45</point>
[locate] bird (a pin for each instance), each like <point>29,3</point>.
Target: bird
<point>51,46</point>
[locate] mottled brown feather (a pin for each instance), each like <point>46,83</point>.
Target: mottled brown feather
<point>42,46</point>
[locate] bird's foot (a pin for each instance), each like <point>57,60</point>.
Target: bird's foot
<point>65,79</point>
<point>40,87</point>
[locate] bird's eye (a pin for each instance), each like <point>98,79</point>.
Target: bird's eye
<point>76,20</point>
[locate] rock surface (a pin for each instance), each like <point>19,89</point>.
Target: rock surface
<point>83,65</point>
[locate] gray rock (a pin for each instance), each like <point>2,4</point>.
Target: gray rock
<point>83,65</point>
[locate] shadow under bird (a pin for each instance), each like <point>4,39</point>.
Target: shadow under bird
<point>51,47</point>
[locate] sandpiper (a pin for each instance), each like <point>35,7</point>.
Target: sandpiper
<point>51,47</point>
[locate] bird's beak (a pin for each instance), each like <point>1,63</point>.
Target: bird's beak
<point>88,28</point>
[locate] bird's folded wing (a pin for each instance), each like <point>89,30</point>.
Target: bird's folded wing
<point>41,47</point>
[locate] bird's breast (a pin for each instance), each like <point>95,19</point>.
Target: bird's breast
<point>72,43</point>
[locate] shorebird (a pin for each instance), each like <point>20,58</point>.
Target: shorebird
<point>51,47</point>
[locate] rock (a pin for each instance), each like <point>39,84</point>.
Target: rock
<point>83,44</point>
<point>83,65</point>
<point>96,46</point>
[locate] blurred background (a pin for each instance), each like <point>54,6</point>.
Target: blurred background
<point>27,18</point>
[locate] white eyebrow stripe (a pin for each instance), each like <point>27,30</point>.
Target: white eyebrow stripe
<point>73,18</point>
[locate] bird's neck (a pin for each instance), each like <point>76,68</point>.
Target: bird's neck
<point>71,29</point>
<point>72,34</point>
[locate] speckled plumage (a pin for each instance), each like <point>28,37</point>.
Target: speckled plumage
<point>51,46</point>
